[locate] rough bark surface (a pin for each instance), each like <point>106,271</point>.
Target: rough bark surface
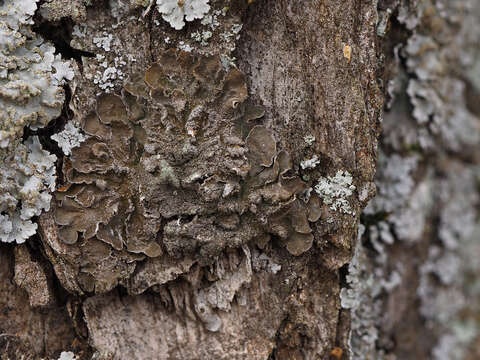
<point>211,182</point>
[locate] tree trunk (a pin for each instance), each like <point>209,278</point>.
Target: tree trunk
<point>214,162</point>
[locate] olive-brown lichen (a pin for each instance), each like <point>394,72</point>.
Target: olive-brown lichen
<point>165,174</point>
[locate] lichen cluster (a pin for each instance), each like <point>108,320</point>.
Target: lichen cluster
<point>27,176</point>
<point>31,95</point>
<point>335,190</point>
<point>175,11</point>
<point>176,169</point>
<point>69,138</point>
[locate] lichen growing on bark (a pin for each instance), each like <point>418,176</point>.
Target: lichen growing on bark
<point>335,191</point>
<point>420,229</point>
<point>188,189</point>
<point>31,76</point>
<point>31,95</point>
<point>159,154</point>
<point>175,11</point>
<point>27,177</point>
<point>69,138</point>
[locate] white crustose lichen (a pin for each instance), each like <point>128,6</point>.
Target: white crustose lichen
<point>336,190</point>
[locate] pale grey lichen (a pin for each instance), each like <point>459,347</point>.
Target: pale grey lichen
<point>409,221</point>
<point>368,281</point>
<point>17,12</point>
<point>184,47</point>
<point>448,280</point>
<point>228,62</point>
<point>31,95</point>
<point>406,204</point>
<point>79,30</point>
<point>382,23</point>
<point>27,176</point>
<point>69,138</point>
<point>360,298</point>
<point>202,36</point>
<point>31,76</point>
<point>454,346</point>
<point>67,355</point>
<point>109,73</point>
<point>459,195</point>
<point>436,95</point>
<point>63,70</point>
<point>335,191</point>
<point>426,193</point>
<point>175,12</point>
<point>310,163</point>
<point>394,183</point>
<point>104,42</point>
<point>119,7</point>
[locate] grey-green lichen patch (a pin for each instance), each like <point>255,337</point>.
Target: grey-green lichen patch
<point>309,139</point>
<point>358,299</point>
<point>216,34</point>
<point>434,54</point>
<point>108,73</point>
<point>383,18</point>
<point>202,37</point>
<point>31,76</point>
<point>27,178</point>
<point>406,203</point>
<point>448,288</point>
<point>367,283</point>
<point>311,163</point>
<point>395,183</point>
<point>335,191</point>
<point>15,14</point>
<point>31,95</point>
<point>120,46</point>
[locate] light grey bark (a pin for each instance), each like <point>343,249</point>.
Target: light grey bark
<point>413,280</point>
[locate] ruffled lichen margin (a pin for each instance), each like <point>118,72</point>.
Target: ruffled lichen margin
<point>31,95</point>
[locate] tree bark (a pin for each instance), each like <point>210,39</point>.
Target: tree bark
<point>211,202</point>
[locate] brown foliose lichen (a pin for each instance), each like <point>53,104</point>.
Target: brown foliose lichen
<point>176,166</point>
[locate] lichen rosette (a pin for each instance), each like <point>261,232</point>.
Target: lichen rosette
<point>177,168</point>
